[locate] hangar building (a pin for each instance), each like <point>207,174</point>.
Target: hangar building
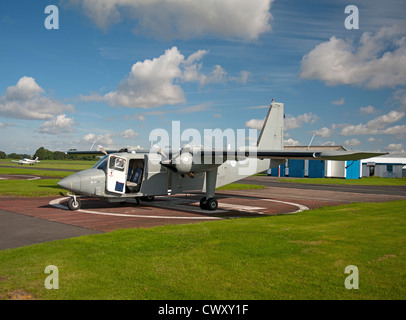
<point>386,167</point>
<point>378,166</point>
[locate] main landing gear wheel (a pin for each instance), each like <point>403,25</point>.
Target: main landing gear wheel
<point>148,198</point>
<point>74,203</point>
<point>209,204</point>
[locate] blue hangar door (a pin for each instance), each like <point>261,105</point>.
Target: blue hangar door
<point>296,168</point>
<point>352,169</point>
<point>275,171</point>
<point>316,168</point>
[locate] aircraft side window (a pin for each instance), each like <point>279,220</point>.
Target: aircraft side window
<point>119,164</point>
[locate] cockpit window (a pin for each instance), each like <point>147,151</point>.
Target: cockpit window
<point>101,164</point>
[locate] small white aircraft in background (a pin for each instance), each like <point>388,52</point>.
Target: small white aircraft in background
<point>27,161</point>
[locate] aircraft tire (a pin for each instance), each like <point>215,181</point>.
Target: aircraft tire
<point>74,205</point>
<point>148,198</point>
<point>212,204</point>
<point>203,203</point>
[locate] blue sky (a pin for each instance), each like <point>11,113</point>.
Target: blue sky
<point>117,69</point>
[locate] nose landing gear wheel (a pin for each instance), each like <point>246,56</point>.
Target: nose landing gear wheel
<point>74,204</point>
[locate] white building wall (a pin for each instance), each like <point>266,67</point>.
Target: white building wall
<point>306,168</point>
<point>381,166</point>
<point>335,169</point>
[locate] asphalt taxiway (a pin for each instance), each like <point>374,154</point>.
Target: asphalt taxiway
<point>25,221</point>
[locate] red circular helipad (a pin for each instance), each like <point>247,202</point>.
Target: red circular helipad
<point>102,216</point>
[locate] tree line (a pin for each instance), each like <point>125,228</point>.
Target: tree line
<point>45,154</point>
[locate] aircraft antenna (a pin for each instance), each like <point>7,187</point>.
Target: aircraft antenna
<point>310,142</point>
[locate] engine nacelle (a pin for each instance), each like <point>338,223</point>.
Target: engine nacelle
<point>183,162</point>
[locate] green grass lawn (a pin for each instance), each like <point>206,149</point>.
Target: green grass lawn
<point>299,256</point>
<point>366,181</point>
<point>52,164</point>
<point>30,188</point>
<point>44,172</point>
<point>240,186</point>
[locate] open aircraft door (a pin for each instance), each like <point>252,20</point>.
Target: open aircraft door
<point>116,174</point>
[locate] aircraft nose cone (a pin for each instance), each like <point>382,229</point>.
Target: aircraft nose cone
<point>72,183</point>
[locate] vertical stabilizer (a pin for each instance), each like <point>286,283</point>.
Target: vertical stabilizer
<point>271,136</point>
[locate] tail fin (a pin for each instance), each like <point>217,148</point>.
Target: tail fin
<point>271,136</point>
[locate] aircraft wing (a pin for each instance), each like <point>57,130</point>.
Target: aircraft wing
<point>315,155</point>
<point>291,154</point>
<point>200,157</point>
<point>91,153</point>
<point>102,151</point>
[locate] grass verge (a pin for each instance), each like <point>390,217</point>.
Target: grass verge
<point>240,186</point>
<point>366,181</point>
<point>299,256</point>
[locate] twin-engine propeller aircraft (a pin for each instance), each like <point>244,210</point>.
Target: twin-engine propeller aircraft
<point>27,161</point>
<point>130,173</point>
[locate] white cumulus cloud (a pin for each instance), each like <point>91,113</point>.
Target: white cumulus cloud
<point>296,122</point>
<point>156,82</point>
<point>255,124</point>
<point>59,124</point>
<point>150,83</point>
<point>323,132</point>
<point>396,147</point>
<point>352,142</point>
<point>183,19</point>
<point>376,125</point>
<point>290,122</point>
<point>376,61</point>
<point>367,110</point>
<point>26,100</point>
<point>105,140</point>
<point>129,134</point>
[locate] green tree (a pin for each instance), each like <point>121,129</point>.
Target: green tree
<point>44,154</point>
<point>14,156</point>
